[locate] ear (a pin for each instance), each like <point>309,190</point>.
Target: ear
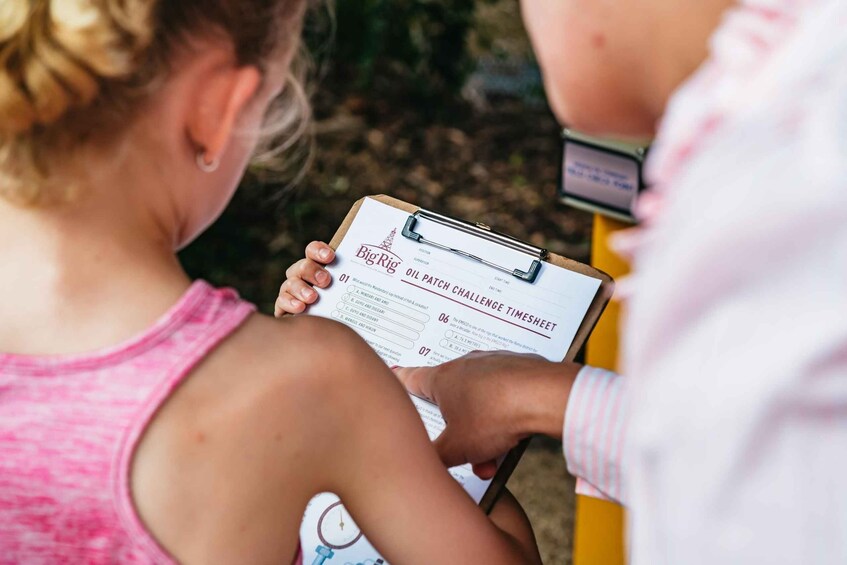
<point>220,99</point>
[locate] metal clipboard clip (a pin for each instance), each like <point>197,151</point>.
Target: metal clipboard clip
<point>483,231</point>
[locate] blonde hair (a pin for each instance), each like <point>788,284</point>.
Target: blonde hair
<point>75,70</point>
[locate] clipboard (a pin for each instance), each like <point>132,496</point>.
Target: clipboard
<point>536,257</point>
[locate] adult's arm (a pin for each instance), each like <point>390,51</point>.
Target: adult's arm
<point>594,432</point>
<point>593,426</point>
<point>491,401</point>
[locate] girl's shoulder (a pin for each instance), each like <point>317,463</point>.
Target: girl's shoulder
<point>299,341</point>
<point>302,355</point>
<point>263,375</point>
<point>254,411</point>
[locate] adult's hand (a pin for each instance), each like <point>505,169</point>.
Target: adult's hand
<point>491,401</point>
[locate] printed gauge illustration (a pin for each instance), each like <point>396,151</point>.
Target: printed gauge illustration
<point>336,528</point>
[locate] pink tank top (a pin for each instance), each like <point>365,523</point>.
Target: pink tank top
<point>69,426</point>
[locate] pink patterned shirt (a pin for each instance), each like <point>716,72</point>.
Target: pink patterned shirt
<point>69,426</point>
<point>727,439</point>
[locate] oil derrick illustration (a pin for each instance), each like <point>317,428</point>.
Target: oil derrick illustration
<point>389,241</point>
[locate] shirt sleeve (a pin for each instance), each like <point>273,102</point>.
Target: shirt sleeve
<point>593,435</point>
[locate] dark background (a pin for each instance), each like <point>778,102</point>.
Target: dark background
<point>435,102</point>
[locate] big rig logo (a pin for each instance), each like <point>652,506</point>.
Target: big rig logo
<point>380,255</point>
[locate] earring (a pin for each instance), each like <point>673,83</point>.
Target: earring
<point>206,166</point>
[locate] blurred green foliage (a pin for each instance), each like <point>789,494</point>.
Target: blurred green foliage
<point>417,49</point>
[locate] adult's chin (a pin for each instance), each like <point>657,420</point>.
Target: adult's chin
<point>611,120</point>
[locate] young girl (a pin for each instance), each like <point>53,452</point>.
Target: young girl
<point>145,418</point>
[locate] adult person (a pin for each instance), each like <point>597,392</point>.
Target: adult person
<point>732,420</point>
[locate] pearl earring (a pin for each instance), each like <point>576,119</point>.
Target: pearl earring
<point>206,166</point>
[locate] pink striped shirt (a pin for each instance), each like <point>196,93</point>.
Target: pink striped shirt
<point>593,437</point>
<point>594,431</point>
<point>733,413</point>
<point>69,426</point>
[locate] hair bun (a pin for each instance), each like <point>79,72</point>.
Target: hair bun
<point>55,53</point>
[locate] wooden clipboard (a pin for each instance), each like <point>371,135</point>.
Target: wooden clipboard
<point>601,299</point>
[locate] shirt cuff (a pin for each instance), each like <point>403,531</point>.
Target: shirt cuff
<point>593,434</point>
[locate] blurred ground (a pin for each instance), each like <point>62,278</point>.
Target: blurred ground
<point>494,159</point>
<point>545,489</point>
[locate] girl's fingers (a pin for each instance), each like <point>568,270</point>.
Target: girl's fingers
<point>296,293</point>
<point>308,271</point>
<point>288,304</point>
<point>321,277</point>
<point>300,290</point>
<point>320,252</point>
<point>293,272</point>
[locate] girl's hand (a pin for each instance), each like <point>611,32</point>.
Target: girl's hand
<point>296,293</point>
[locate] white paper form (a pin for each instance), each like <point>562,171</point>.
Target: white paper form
<point>419,305</point>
